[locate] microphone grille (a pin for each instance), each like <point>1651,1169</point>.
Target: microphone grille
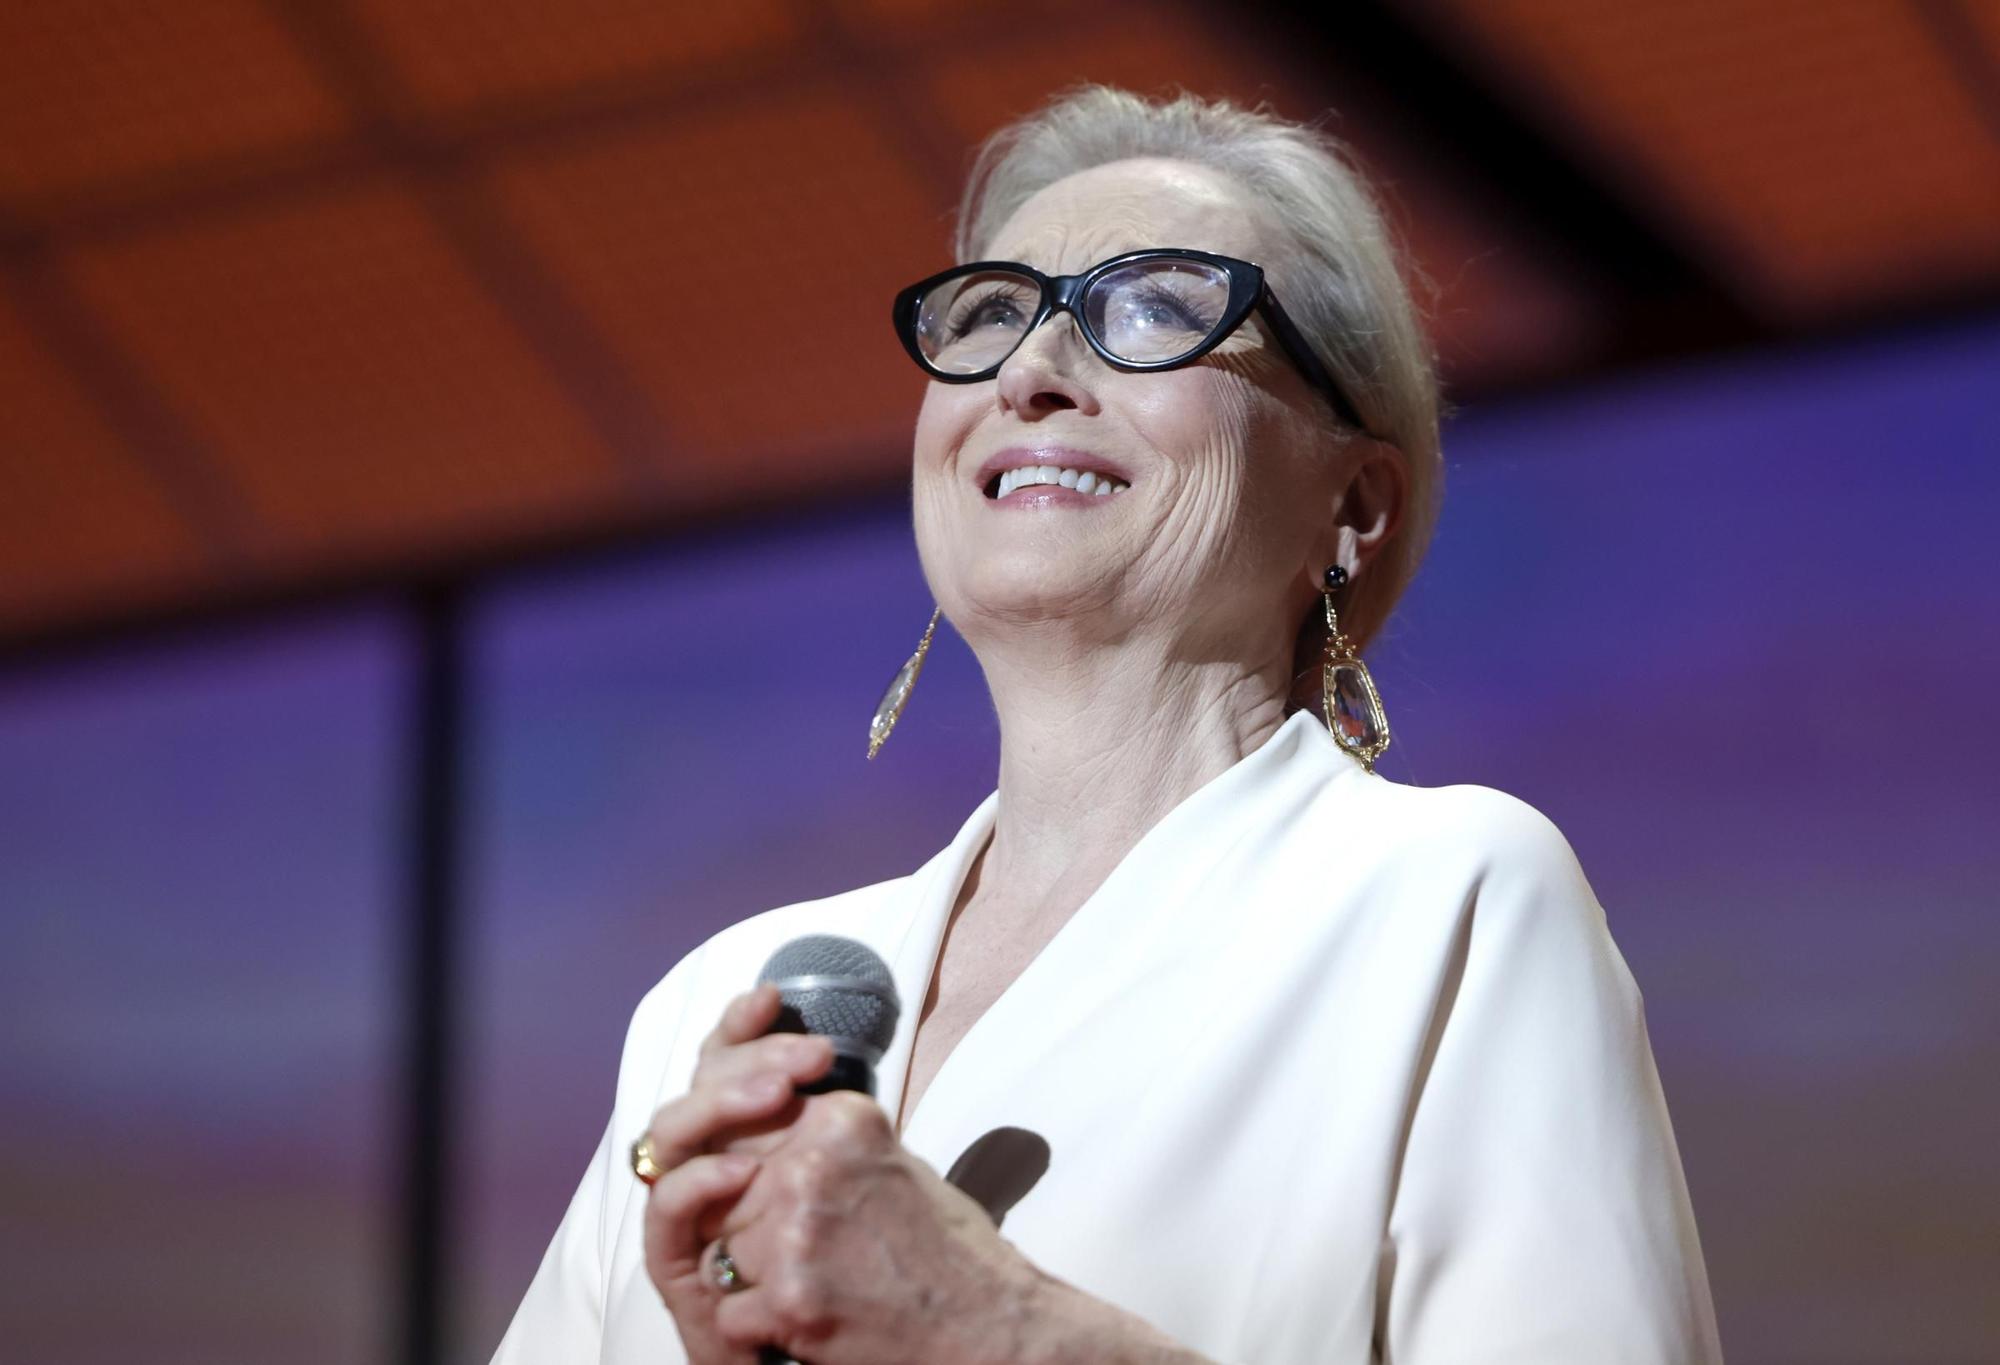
<point>837,987</point>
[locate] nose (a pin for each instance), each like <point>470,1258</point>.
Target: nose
<point>1043,375</point>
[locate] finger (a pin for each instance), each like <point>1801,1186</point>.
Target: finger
<point>849,1120</point>
<point>748,1016</point>
<point>682,1201</point>
<point>800,1056</point>
<point>750,1089</point>
<point>739,1279</point>
<point>790,1315</point>
<point>683,1128</point>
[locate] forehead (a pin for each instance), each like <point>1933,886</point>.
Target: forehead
<point>1129,205</point>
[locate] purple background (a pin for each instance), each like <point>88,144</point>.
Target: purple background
<point>1732,626</point>
<point>197,994</point>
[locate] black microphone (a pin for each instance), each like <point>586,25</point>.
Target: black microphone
<point>842,990</point>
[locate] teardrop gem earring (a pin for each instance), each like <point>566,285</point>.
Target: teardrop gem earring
<point>890,709</point>
<point>1353,706</point>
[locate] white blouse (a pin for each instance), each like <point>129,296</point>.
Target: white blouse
<point>1329,1069</point>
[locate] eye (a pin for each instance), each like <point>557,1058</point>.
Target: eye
<point>999,305</point>
<point>1160,304</point>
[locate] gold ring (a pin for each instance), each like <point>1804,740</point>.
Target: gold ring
<point>644,1164</point>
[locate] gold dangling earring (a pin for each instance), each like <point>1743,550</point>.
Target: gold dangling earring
<point>890,709</point>
<point>1353,706</point>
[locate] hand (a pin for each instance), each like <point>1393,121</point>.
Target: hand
<point>709,1141</point>
<point>854,1252</point>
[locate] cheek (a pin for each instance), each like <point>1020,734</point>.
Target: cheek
<point>946,415</point>
<point>1246,492</point>
<point>1200,420</point>
<point>1202,424</point>
<point>944,420</point>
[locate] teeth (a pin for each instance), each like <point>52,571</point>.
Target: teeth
<point>1083,481</point>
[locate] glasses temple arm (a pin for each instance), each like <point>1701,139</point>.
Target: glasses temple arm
<point>1308,361</point>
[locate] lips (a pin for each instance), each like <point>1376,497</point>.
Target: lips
<point>1051,476</point>
<point>1050,468</point>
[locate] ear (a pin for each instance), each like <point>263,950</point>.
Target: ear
<point>1370,509</point>
<point>1367,509</point>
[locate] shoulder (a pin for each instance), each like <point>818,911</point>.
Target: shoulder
<point>728,961</point>
<point>1477,832</point>
<point>664,1035</point>
<point>1485,893</point>
<point>1510,837</point>
<point>1529,925</point>
<point>1467,865</point>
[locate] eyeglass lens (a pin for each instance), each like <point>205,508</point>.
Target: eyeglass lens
<point>1146,313</point>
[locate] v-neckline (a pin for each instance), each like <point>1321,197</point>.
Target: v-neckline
<point>939,884</point>
<point>933,897</point>
<point>905,1107</point>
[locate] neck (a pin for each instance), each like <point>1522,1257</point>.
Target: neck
<point>1097,743</point>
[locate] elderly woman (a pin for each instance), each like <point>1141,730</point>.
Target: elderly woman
<point>1260,1056</point>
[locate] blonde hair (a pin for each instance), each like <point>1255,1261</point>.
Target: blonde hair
<point>1342,286</point>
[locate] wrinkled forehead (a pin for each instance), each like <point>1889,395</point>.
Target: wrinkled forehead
<point>1128,206</point>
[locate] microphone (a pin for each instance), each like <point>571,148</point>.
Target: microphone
<point>841,989</point>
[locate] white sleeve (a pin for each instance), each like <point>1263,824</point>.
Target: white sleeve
<point>1540,1214</point>
<point>561,1318</point>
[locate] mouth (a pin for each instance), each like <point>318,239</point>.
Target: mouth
<point>1050,476</point>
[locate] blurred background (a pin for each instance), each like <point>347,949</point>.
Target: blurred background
<point>429,604</point>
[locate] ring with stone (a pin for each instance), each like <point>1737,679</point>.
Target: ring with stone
<point>727,1277</point>
<point>645,1164</point>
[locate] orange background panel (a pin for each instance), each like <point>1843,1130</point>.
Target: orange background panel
<point>900,16</point>
<point>1984,16</point>
<point>674,226</point>
<point>100,92</point>
<point>743,267</point>
<point>454,55</point>
<point>348,373</point>
<point>1821,150</point>
<point>984,87</point>
<point>81,519</point>
<point>1496,304</point>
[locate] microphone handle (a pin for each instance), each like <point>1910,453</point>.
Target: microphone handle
<point>848,1072</point>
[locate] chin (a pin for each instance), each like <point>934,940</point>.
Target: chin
<point>1022,583</point>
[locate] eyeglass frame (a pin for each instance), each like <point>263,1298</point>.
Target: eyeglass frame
<point>1249,291</point>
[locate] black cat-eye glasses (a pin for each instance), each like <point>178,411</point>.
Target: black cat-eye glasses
<point>1145,310</point>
